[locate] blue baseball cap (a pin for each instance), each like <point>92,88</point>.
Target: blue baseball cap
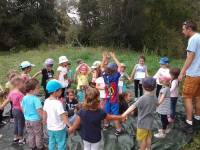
<point>53,86</point>
<point>112,65</point>
<point>149,83</point>
<point>164,60</point>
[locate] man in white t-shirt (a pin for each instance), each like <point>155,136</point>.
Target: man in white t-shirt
<point>191,69</point>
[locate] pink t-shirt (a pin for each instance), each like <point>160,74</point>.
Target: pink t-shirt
<point>16,97</point>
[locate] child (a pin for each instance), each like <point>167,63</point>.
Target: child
<point>8,87</point>
<point>16,97</point>
<point>124,75</point>
<point>96,70</point>
<point>100,85</point>
<point>90,118</point>
<point>124,98</point>
<point>82,73</point>
<point>32,109</point>
<point>162,71</point>
<point>62,74</point>
<point>163,108</point>
<point>146,105</point>
<point>55,117</point>
<point>47,74</point>
<point>26,67</point>
<point>2,98</point>
<point>174,90</point>
<point>139,72</point>
<point>70,75</point>
<point>70,105</point>
<point>111,79</point>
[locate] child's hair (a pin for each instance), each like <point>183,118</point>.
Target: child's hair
<point>31,85</point>
<point>11,74</point>
<point>23,69</point>
<point>79,61</point>
<point>3,93</point>
<point>16,80</point>
<point>122,97</point>
<point>175,73</point>
<point>142,57</point>
<point>70,91</point>
<point>91,98</point>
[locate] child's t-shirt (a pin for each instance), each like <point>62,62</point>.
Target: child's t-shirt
<point>62,76</point>
<point>160,73</point>
<point>164,107</point>
<point>25,77</point>
<point>111,82</point>
<point>46,76</point>
<point>140,71</point>
<point>54,109</point>
<point>15,96</point>
<point>123,78</point>
<point>146,105</point>
<point>30,104</point>
<point>70,106</point>
<point>91,124</point>
<point>100,82</point>
<point>82,80</point>
<point>174,88</point>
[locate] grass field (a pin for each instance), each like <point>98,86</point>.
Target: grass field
<point>11,60</point>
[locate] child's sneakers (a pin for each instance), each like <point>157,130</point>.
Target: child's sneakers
<point>118,133</point>
<point>160,135</point>
<point>166,131</point>
<point>22,141</point>
<point>15,140</point>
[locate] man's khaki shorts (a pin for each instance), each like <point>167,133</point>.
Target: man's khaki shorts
<point>191,87</point>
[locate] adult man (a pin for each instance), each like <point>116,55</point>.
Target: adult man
<point>191,68</point>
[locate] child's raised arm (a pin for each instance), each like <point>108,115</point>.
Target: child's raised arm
<point>115,59</point>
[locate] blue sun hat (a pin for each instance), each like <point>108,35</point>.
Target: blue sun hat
<point>53,86</point>
<point>164,60</point>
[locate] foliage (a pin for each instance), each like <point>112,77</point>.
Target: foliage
<point>155,24</point>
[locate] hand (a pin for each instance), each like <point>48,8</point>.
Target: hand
<point>112,54</point>
<point>181,76</point>
<point>70,130</point>
<point>124,118</point>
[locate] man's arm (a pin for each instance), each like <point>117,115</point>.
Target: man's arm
<point>188,62</point>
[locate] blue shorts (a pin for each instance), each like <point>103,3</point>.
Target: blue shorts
<point>111,108</point>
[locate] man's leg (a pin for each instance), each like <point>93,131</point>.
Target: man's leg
<point>188,109</point>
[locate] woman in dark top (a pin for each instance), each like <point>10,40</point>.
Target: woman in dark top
<point>89,119</point>
<point>47,74</point>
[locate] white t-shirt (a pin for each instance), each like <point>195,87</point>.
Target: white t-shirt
<point>140,72</point>
<point>63,73</point>
<point>160,73</point>
<point>101,83</point>
<point>54,109</point>
<point>174,88</point>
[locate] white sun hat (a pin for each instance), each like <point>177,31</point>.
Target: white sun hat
<point>26,64</point>
<point>63,59</point>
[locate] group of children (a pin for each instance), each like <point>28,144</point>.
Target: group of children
<point>101,95</point>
